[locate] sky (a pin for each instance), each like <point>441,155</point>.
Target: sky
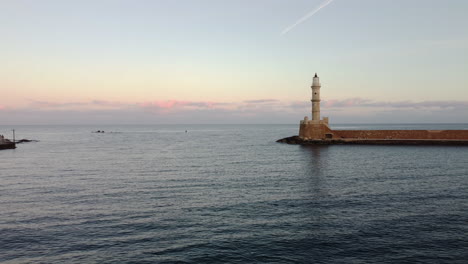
<point>232,61</point>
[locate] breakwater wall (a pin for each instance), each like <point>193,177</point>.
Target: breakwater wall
<point>296,140</point>
<point>402,134</point>
<point>7,145</point>
<point>323,131</point>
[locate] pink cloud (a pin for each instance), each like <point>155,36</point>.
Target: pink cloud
<point>261,101</point>
<point>350,102</point>
<point>298,104</point>
<point>184,111</point>
<point>361,102</point>
<point>45,104</point>
<point>163,104</point>
<point>108,103</point>
<point>173,105</point>
<point>93,104</point>
<point>248,106</point>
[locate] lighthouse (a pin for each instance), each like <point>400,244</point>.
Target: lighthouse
<point>317,127</point>
<point>315,104</point>
<point>315,98</point>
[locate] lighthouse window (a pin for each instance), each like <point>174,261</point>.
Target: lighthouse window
<point>315,93</point>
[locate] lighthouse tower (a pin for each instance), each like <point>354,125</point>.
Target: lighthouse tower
<point>316,98</point>
<point>315,104</point>
<point>315,128</point>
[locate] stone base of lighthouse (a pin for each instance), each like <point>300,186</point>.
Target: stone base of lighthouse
<point>315,129</point>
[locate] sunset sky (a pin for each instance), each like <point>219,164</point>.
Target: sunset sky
<point>231,61</point>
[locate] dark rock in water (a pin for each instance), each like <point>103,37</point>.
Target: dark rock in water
<point>26,140</point>
<point>296,140</point>
<point>291,140</point>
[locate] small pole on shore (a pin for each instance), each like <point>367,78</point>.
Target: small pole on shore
<point>14,141</point>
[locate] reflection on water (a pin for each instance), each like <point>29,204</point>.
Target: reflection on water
<point>317,157</point>
<point>315,167</point>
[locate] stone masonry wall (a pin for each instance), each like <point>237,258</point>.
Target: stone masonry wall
<point>402,134</point>
<point>314,131</point>
<point>320,131</point>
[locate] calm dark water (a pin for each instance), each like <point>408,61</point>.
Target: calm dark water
<point>228,194</point>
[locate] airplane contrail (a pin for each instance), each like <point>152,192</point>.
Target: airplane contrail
<point>304,18</point>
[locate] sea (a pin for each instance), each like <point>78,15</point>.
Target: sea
<point>228,194</point>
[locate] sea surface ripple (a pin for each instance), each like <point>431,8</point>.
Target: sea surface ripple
<point>228,194</point>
